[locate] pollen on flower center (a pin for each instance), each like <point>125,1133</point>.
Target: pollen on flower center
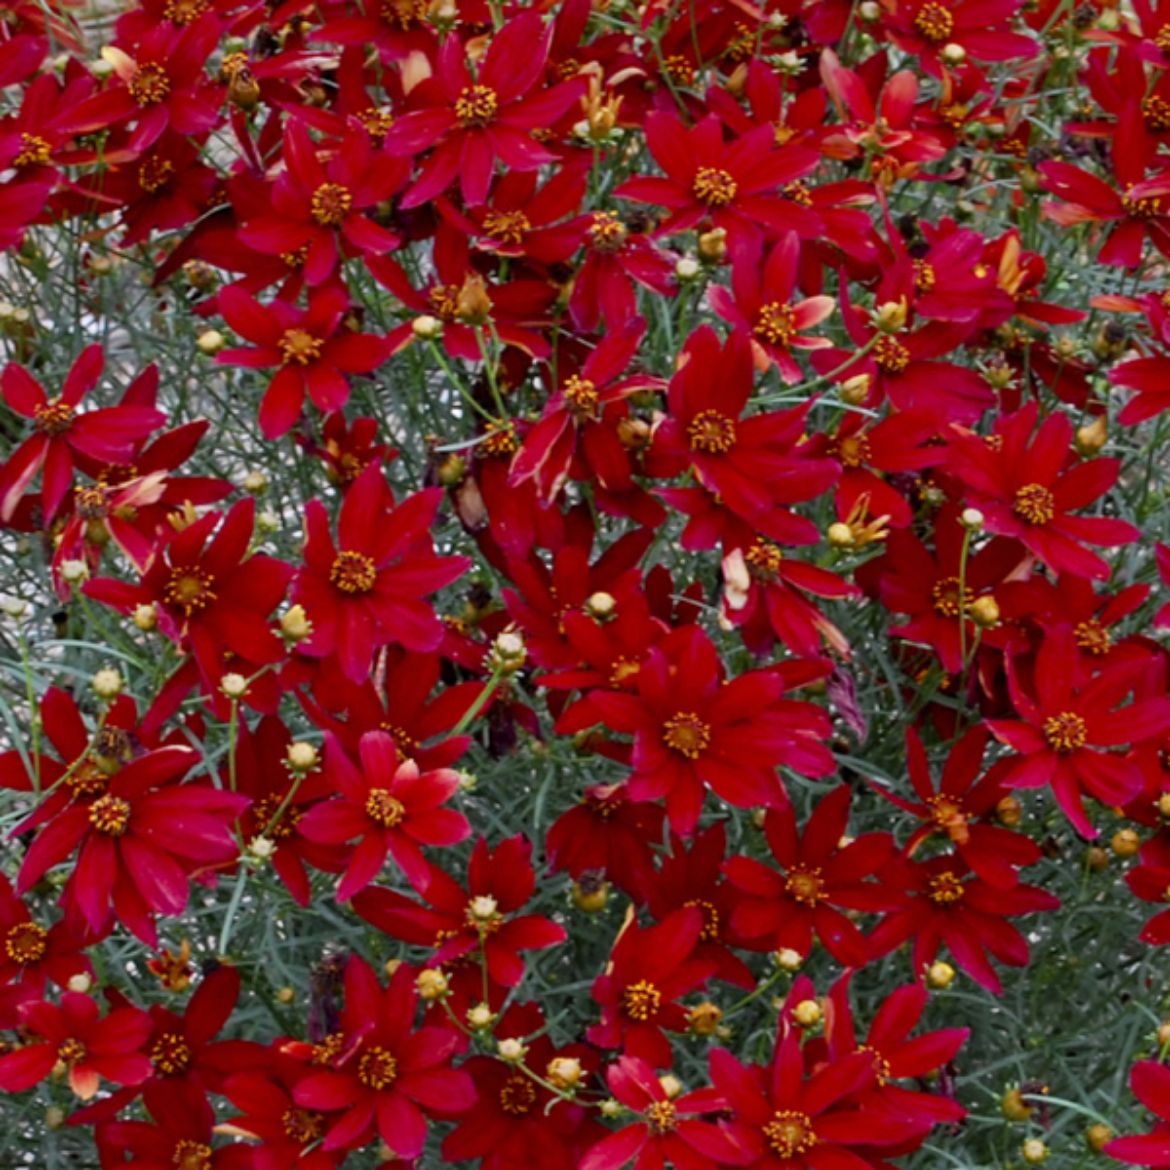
<point>661,1116</point>
<point>190,588</point>
<point>1034,504</point>
<point>299,346</point>
<point>184,11</point>
<point>508,226</point>
<point>110,815</point>
<point>1065,732</point>
<point>641,1001</point>
<point>384,808</point>
<point>687,734</point>
<point>171,1054</point>
<point>890,354</point>
<point>790,1133</point>
<point>26,942</point>
<point>949,598</point>
<point>35,151</point>
<point>87,778</point>
<point>714,186</point>
<point>330,204</point>
<point>581,394</point>
<point>881,1066</point>
<point>1162,38</point>
<point>945,888</point>
<point>934,22</point>
<point>805,885</point>
<point>191,1155</point>
<point>853,450</point>
<point>764,557</point>
<point>1141,206</point>
<point>776,323</point>
<point>607,233</point>
<point>154,174</point>
<point>710,918</point>
<point>90,503</point>
<point>1093,637</point>
<point>150,84</point>
<point>54,418</point>
<point>517,1095</point>
<point>377,1069</point>
<point>302,1125</point>
<point>1156,112</point>
<point>483,913</point>
<point>712,432</point>
<point>476,105</point>
<point>353,572</point>
<point>71,1051</point>
<point>949,817</point>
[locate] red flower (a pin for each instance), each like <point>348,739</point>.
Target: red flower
<point>30,954</point>
<point>371,590</point>
<point>980,27</point>
<point>648,970</point>
<point>786,906</point>
<point>1150,1082</point>
<point>389,806</point>
<point>313,347</point>
<point>1150,881</point>
<point>667,1130</point>
<point>693,729</point>
<point>61,434</point>
<point>72,1033</point>
<point>473,120</point>
<point>1063,725</point>
<point>386,1075</point>
<point>458,922</point>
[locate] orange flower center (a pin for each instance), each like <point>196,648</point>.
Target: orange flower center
<point>607,233</point>
<point>710,918</point>
<point>1034,504</point>
<point>35,151</point>
<point>853,450</point>
<point>711,432</point>
<point>581,394</point>
<point>191,1155</point>
<point>185,11</point>
<point>190,588</point>
<point>1065,732</point>
<point>945,888</point>
<point>714,186</point>
<point>330,204</point>
<point>150,84</point>
<point>54,418</point>
<point>1156,112</point>
<point>686,734</point>
<point>154,174</point>
<point>790,1133</point>
<point>934,22</point>
<point>476,105</point>
<point>949,599</point>
<point>110,815</point>
<point>949,818</point>
<point>353,572</point>
<point>377,1068</point>
<point>302,1125</point>
<point>384,808</point>
<point>1162,38</point>
<point>1141,206</point>
<point>1093,637</point>
<point>890,354</point>
<point>776,323</point>
<point>641,1001</point>
<point>26,942</point>
<point>508,226</point>
<point>661,1116</point>
<point>517,1095</point>
<point>805,885</point>
<point>71,1051</point>
<point>299,347</point>
<point>171,1054</point>
<point>765,557</point>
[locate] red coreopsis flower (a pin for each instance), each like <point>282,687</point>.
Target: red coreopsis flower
<point>1065,730</point>
<point>61,433</point>
<point>648,970</point>
<point>694,729</point>
<point>943,903</point>
<point>30,954</point>
<point>1023,483</point>
<point>138,843</point>
<point>751,464</point>
<point>389,807</point>
<point>369,589</point>
<point>981,27</point>
<point>518,1124</point>
<point>459,922</point>
<point>314,202</point>
<point>313,347</point>
<point>1150,881</point>
<point>386,1076</point>
<point>666,1130</point>
<point>473,120</point>
<point>814,880</point>
<point>710,182</point>
<point>74,1033</point>
<point>955,809</point>
<point>760,303</point>
<point>1150,1082</point>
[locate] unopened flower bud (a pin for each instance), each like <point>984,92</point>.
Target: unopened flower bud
<point>1013,1106</point>
<point>704,1018</point>
<point>511,1050</point>
<point>953,54</point>
<point>869,12</point>
<point>480,1017</point>
<point>1034,1151</point>
<point>261,848</point>
<point>855,390</point>
<point>1092,437</point>
<point>268,521</point>
<point>285,995</point>
<point>890,316</point>
<point>432,984</point>
<point>473,306</point>
<point>590,895</point>
<point>54,1117</point>
<point>452,470</point>
<point>107,683</point>
<point>1096,858</point>
<point>1009,811</point>
<point>840,535</point>
<point>984,611</point>
<point>294,623</point>
<point>671,1085</point>
<point>255,483</point>
<point>633,433</point>
<point>788,959</point>
<point>972,519</point>
<point>713,246</point>
<point>508,653</point>
<point>80,983</point>
<point>1125,843</point>
<point>233,685</point>
<point>210,341</point>
<point>426,327</point>
<point>1163,1034</point>
<point>1164,805</point>
<point>1109,20</point>
<point>13,607</point>
<point>611,1108</point>
<point>301,756</point>
<point>1098,1136</point>
<point>940,975</point>
<point>807,1013</point>
<point>74,572</point>
<point>601,605</point>
<point>687,269</point>
<point>564,1072</point>
<point>145,617</point>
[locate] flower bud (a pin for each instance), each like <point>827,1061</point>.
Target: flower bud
<point>713,246</point>
<point>294,624</point>
<point>1125,843</point>
<point>972,519</point>
<point>107,683</point>
<point>432,984</point>
<point>480,1017</point>
<point>1092,437</point>
<point>1013,1106</point>
<point>890,316</point>
<point>807,1013</point>
<point>473,306</point>
<point>285,995</point>
<point>840,535</point>
<point>1098,1136</point>
<point>508,653</point>
<point>452,470</point>
<point>301,756</point>
<point>671,1085</point>
<point>590,895</point>
<point>80,983</point>
<point>940,975</point>
<point>855,390</point>
<point>1096,858</point>
<point>13,607</point>
<point>511,1050</point>
<point>788,959</point>
<point>210,341</point>
<point>984,611</point>
<point>255,483</point>
<point>953,54</point>
<point>601,605</point>
<point>233,685</point>
<point>261,848</point>
<point>54,1117</point>
<point>1034,1151</point>
<point>1009,811</point>
<point>564,1072</point>
<point>703,1019</point>
<point>1163,1034</point>
<point>427,328</point>
<point>74,572</point>
<point>687,269</point>
<point>145,617</point>
<point>1164,805</point>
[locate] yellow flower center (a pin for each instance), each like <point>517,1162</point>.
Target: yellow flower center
<point>790,1133</point>
<point>508,226</point>
<point>54,418</point>
<point>384,808</point>
<point>171,1054</point>
<point>377,1068</point>
<point>641,1001</point>
<point>713,186</point>
<point>607,233</point>
<point>945,888</point>
<point>150,84</point>
<point>805,885</point>
<point>517,1095</point>
<point>353,572</point>
<point>1034,504</point>
<point>476,105</point>
<point>776,323</point>
<point>890,354</point>
<point>26,942</point>
<point>110,815</point>
<point>154,174</point>
<point>35,151</point>
<point>299,347</point>
<point>1065,732</point>
<point>302,1125</point>
<point>190,588</point>
<point>949,598</point>
<point>687,734</point>
<point>934,22</point>
<point>711,432</point>
<point>330,204</point>
<point>191,1155</point>
<point>581,394</point>
<point>661,1116</point>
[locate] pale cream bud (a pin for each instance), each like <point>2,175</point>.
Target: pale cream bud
<point>107,683</point>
